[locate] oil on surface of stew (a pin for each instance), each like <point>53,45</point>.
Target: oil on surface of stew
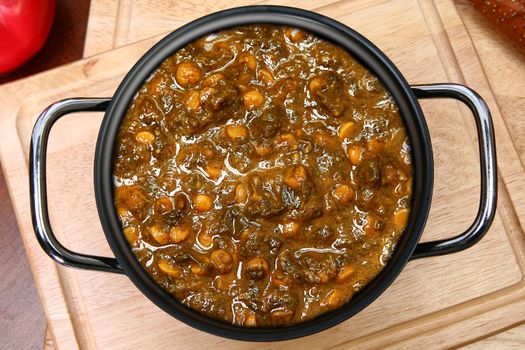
<point>262,176</point>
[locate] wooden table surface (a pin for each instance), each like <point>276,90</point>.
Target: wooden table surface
<point>22,322</point>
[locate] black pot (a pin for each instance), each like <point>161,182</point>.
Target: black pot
<point>359,47</point>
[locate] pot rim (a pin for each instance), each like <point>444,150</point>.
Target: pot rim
<point>361,49</point>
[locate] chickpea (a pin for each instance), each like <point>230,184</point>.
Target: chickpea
<point>333,299</point>
<point>346,130</point>
<point>250,321</point>
<point>202,202</point>
<point>197,270</point>
<point>345,273</point>
<point>316,84</point>
<point>213,79</point>
<point>373,226</point>
<point>145,137</point>
<point>354,154</point>
<point>295,177</point>
<point>248,59</point>
<point>266,76</point>
<point>163,205</point>
<point>124,215</point>
<point>192,100</point>
<point>257,268</point>
<point>221,260</point>
<point>179,233</point>
<point>252,99</point>
<point>344,194</point>
<point>132,234</point>
<point>213,171</point>
<point>159,234</point>
<point>169,268</point>
<point>291,229</point>
<point>375,145</point>
<point>236,132</point>
<point>281,316</point>
<point>205,239</point>
<point>400,219</point>
<point>133,197</point>
<point>188,73</point>
<point>241,193</point>
<point>294,34</point>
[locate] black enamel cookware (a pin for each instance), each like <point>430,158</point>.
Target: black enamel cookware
<point>371,57</point>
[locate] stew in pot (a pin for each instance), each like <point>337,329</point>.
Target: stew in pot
<point>262,176</point>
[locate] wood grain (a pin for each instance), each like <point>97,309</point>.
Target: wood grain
<point>513,339</point>
<point>49,344</point>
<point>466,295</point>
<point>22,319</point>
<point>505,70</point>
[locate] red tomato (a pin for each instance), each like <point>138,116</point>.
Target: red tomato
<point>24,27</point>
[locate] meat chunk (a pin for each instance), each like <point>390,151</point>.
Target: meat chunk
<point>328,90</point>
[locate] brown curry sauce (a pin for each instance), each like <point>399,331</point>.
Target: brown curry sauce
<point>262,176</point>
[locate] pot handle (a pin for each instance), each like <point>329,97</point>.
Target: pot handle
<point>487,152</point>
<point>38,190</point>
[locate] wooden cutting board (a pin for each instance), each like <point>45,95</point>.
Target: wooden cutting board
<point>436,302</point>
<point>504,67</point>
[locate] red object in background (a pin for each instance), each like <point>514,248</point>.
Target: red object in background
<point>508,16</point>
<point>24,27</point>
